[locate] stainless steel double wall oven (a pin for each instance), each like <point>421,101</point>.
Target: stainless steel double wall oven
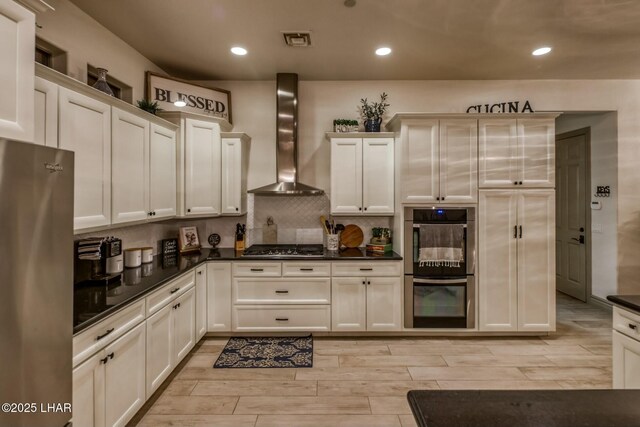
<point>439,294</point>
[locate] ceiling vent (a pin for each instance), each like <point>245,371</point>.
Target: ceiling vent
<point>297,38</point>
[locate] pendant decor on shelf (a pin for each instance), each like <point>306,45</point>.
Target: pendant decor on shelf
<point>101,84</point>
<point>372,113</point>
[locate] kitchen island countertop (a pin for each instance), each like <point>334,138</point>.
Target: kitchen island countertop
<point>631,302</point>
<point>93,302</point>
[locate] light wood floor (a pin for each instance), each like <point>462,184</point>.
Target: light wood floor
<point>364,381</point>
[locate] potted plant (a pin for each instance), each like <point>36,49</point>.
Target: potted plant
<point>148,106</point>
<point>372,113</point>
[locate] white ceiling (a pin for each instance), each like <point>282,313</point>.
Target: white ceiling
<point>431,39</point>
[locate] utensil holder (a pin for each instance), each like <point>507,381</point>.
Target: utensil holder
<point>333,242</point>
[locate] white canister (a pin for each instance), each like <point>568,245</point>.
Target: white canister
<point>132,257</point>
<point>147,255</point>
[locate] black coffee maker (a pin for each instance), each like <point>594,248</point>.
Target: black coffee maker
<point>98,259</point>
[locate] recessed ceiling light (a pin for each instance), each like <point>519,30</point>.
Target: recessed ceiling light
<point>180,103</point>
<point>383,51</point>
<point>237,50</point>
<point>541,51</point>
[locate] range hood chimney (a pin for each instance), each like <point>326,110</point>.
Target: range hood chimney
<point>287,143</point>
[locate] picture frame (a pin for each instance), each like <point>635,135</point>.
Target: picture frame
<point>210,101</point>
<point>189,240</point>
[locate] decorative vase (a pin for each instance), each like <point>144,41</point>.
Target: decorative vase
<point>101,84</point>
<point>372,125</point>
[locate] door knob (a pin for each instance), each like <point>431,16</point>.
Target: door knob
<point>580,240</point>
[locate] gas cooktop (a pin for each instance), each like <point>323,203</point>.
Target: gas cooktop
<point>282,251</point>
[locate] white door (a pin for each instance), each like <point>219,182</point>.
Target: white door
<point>536,260</point>
<point>88,393</point>
<point>497,152</point>
<point>377,176</point>
<point>346,175</point>
<point>46,113</point>
<point>129,167</point>
<point>85,128</point>
<point>159,348</point>
<point>384,305</point>
<point>459,161</point>
<point>125,377</point>
<point>497,260</point>
<point>348,304</point>
<point>231,175</point>
<point>218,296</point>
<point>536,139</point>
<point>202,168</point>
<point>201,301</point>
<point>420,162</point>
<point>626,362</point>
<point>17,44</point>
<point>571,215</point>
<point>184,324</point>
<point>162,172</point>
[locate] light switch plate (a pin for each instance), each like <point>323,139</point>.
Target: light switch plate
<point>596,227</point>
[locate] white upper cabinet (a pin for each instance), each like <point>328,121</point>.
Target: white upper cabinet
<point>234,173</point>
<point>85,128</point>
<point>202,152</point>
<point>517,153</point>
<point>458,160</point>
<point>162,172</point>
<point>439,161</point>
<point>362,174</point>
<point>17,44</point>
<point>346,175</point>
<point>45,113</point>
<point>129,167</point>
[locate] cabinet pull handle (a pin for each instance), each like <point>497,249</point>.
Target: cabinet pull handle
<point>521,232</point>
<point>366,269</point>
<point>110,355</point>
<point>632,326</point>
<point>173,291</point>
<point>200,273</point>
<point>99,337</point>
<point>306,269</point>
<point>105,360</point>
<point>257,269</point>
<point>515,231</point>
<point>282,292</point>
<point>282,319</point>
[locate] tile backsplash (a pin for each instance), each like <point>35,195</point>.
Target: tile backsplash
<point>297,219</point>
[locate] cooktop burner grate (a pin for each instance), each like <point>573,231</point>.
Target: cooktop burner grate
<point>302,251</point>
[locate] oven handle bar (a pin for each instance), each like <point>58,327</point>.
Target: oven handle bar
<point>437,223</point>
<point>441,281</point>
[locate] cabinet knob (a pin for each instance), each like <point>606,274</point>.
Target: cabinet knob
<point>154,213</point>
<point>520,183</point>
<point>359,209</point>
<point>364,282</point>
<point>365,209</point>
<point>188,210</point>
<point>237,209</point>
<point>633,326</point>
<point>438,198</point>
<point>442,198</point>
<point>200,273</point>
<point>515,182</point>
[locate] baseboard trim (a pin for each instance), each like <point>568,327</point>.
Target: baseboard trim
<point>600,302</point>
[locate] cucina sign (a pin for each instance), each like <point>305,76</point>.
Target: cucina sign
<point>502,107</point>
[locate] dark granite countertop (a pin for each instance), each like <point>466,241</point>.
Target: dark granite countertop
<point>94,301</point>
<point>631,302</point>
<point>525,408</point>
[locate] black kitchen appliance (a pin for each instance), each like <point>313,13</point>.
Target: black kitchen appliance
<point>439,295</point>
<point>284,251</point>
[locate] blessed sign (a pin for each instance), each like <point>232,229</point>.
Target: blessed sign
<point>502,107</point>
<point>198,99</point>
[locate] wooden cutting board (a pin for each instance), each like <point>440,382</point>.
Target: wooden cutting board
<point>352,236</point>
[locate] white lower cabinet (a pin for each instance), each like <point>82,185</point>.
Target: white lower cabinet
<point>171,334</point>
<point>201,301</point>
<point>109,388</point>
<point>218,296</point>
<point>366,304</point>
<point>626,361</point>
<point>256,318</point>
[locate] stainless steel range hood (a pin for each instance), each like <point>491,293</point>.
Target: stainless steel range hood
<point>287,143</point>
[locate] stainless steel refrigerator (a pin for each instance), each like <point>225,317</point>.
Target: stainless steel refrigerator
<point>36,282</point>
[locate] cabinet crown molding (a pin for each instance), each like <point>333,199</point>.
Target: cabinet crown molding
<point>395,122</point>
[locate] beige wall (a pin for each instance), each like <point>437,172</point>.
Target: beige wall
<point>86,41</point>
<point>322,101</point>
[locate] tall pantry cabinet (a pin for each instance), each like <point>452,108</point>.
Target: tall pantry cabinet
<point>516,223</point>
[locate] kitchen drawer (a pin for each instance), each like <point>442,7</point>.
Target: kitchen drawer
<point>169,292</point>
<point>281,318</point>
<point>257,269</point>
<point>306,269</point>
<point>282,291</point>
<point>96,337</point>
<point>374,268</point>
<point>626,322</point>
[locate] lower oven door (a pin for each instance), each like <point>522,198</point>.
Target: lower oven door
<point>440,303</point>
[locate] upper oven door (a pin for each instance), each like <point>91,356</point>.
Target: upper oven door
<point>464,217</point>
